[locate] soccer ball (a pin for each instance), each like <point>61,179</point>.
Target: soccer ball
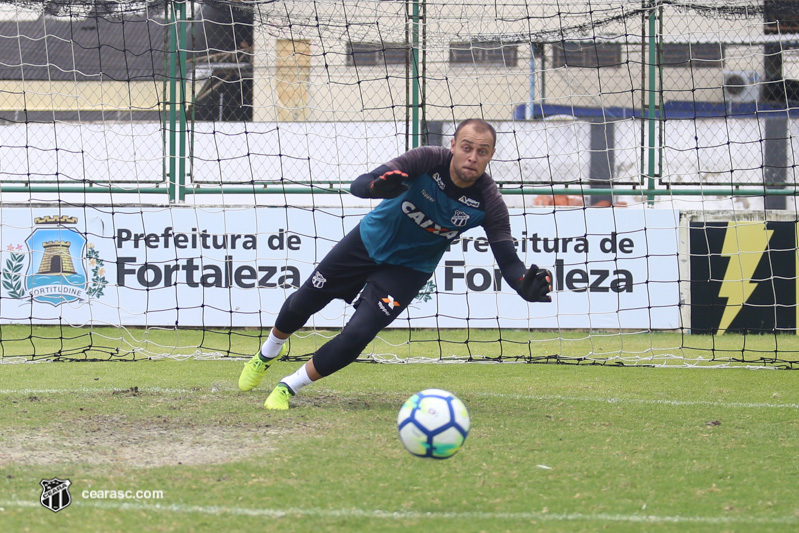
<point>433,423</point>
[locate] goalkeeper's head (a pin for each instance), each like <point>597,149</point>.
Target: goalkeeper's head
<point>472,148</point>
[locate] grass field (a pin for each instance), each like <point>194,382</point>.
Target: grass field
<point>552,448</point>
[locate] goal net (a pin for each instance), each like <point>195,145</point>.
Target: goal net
<point>171,171</point>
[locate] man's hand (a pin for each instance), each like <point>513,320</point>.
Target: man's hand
<point>389,185</point>
<point>536,285</point>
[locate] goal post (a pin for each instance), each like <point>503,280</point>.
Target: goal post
<point>171,171</point>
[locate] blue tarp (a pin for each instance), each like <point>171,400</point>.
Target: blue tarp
<point>676,110</point>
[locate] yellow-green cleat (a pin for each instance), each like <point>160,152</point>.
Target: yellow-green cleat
<point>278,400</point>
<point>255,370</point>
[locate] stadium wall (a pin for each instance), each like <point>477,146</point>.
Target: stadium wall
<point>556,150</point>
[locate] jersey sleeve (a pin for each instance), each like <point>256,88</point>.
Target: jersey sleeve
<point>497,219</point>
<point>419,160</point>
<point>414,163</point>
<point>498,232</point>
<point>360,185</point>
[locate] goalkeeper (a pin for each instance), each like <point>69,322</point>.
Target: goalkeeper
<point>431,195</point>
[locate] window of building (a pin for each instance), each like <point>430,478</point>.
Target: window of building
<point>781,16</point>
<point>375,54</point>
<point>484,53</point>
<point>693,55</point>
<point>586,54</point>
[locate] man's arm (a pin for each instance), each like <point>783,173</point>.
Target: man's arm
<point>382,182</point>
<point>533,284</point>
<point>391,179</point>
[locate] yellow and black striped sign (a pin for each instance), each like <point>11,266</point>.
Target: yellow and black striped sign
<point>743,276</point>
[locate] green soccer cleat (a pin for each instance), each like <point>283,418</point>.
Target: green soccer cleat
<point>254,371</point>
<point>278,400</point>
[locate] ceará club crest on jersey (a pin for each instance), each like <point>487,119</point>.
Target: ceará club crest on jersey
<point>56,274</point>
<point>459,219</point>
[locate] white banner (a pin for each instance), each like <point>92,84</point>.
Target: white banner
<point>214,267</point>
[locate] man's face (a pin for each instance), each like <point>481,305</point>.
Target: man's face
<point>471,152</point>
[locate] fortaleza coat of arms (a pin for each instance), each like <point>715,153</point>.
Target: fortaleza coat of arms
<point>52,266</point>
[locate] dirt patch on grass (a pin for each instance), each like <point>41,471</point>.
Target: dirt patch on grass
<point>122,441</point>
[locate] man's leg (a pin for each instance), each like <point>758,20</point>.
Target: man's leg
<point>294,313</point>
<point>341,274</point>
<point>375,309</point>
<point>334,355</point>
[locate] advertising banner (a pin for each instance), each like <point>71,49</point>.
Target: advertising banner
<point>215,267</point>
<point>743,276</point>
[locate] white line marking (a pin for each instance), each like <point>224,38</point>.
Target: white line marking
<point>677,403</point>
<point>525,397</point>
<point>89,390</point>
<point>418,515</point>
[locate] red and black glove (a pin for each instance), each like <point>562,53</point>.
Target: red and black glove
<point>389,185</point>
<point>536,285</point>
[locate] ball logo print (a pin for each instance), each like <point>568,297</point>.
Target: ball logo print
<point>433,423</point>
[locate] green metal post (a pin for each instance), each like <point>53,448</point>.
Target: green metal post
<point>172,60</point>
<point>652,103</point>
<point>335,188</point>
<point>182,102</point>
<point>176,101</point>
<point>415,81</point>
<point>661,101</point>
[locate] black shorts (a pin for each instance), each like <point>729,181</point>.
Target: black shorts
<point>348,270</point>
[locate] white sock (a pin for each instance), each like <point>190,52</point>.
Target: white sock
<point>272,346</point>
<point>297,380</point>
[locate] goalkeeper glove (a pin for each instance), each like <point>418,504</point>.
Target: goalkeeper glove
<point>536,284</point>
<point>389,185</point>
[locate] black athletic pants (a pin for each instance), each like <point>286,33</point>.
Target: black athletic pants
<point>385,291</point>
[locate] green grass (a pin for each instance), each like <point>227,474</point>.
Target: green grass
<point>552,448</point>
<point>615,347</point>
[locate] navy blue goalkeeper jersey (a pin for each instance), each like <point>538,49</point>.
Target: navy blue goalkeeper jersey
<point>416,228</point>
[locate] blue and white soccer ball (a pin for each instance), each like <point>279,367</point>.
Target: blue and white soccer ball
<point>433,423</point>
